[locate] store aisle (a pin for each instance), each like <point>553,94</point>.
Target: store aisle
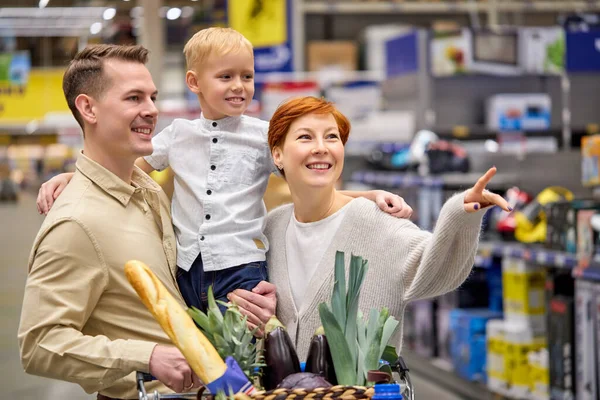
<point>20,223</point>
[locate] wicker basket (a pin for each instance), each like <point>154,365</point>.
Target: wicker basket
<point>335,392</point>
<point>338,392</point>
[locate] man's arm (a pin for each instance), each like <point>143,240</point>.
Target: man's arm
<point>388,202</point>
<point>65,283</point>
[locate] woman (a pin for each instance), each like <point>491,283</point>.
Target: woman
<point>307,137</point>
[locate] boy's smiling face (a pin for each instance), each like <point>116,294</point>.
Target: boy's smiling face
<point>225,84</point>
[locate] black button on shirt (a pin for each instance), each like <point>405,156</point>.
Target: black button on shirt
<point>209,192</point>
<point>215,140</point>
<point>213,167</point>
<point>214,124</point>
<point>207,216</point>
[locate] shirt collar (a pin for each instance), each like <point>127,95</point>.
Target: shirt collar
<point>112,184</point>
<point>223,124</point>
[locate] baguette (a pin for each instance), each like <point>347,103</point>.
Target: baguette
<point>178,325</point>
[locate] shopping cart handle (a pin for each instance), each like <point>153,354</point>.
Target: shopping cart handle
<point>401,364</point>
<point>145,377</point>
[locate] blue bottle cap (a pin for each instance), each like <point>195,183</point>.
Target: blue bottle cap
<point>382,388</point>
<point>387,391</point>
<point>302,366</point>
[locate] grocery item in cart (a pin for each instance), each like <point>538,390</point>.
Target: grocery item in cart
<point>178,325</point>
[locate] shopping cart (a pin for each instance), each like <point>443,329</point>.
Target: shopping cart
<point>400,374</point>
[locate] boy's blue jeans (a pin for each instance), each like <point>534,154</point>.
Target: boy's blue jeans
<point>194,283</point>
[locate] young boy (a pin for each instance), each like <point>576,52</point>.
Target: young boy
<point>221,163</point>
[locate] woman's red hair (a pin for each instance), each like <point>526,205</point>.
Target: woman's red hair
<point>298,107</point>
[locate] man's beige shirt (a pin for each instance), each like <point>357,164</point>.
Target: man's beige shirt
<point>81,320</point>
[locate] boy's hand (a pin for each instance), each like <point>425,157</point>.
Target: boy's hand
<point>258,305</point>
<point>50,190</point>
<point>392,204</point>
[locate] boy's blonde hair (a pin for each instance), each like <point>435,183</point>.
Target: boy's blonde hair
<point>214,40</point>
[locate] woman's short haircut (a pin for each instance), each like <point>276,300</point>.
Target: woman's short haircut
<point>215,40</point>
<point>295,108</point>
<point>84,75</point>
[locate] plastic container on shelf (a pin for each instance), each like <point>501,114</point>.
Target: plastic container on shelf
<point>496,374</point>
<point>523,287</point>
<point>539,375</point>
<point>468,347</point>
<point>519,341</point>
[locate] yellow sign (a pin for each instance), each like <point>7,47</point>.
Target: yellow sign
<point>40,95</point>
<point>262,22</point>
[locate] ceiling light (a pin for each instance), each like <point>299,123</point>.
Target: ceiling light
<point>96,28</point>
<point>136,12</point>
<point>43,3</point>
<point>173,13</point>
<point>187,12</point>
<point>109,14</point>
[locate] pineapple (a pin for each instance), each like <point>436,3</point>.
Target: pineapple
<point>229,333</point>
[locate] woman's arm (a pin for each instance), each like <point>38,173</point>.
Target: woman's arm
<point>441,261</point>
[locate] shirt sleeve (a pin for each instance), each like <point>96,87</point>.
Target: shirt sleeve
<point>66,280</point>
<point>439,262</point>
<point>161,143</point>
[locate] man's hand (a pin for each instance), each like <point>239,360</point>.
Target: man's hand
<point>169,366</point>
<point>50,190</point>
<point>258,305</point>
<point>392,204</point>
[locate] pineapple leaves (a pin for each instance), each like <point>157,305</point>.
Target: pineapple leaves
<point>229,333</point>
<point>213,308</point>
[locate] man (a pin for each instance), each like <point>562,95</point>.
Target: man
<point>81,320</point>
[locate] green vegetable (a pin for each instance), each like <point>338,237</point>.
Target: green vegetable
<point>355,347</point>
<point>229,333</point>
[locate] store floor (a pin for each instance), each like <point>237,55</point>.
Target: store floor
<point>19,225</point>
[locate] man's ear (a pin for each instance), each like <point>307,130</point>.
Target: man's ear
<point>85,106</point>
<point>191,79</point>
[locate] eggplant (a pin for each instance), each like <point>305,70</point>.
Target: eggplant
<point>319,359</point>
<point>304,380</point>
<point>280,355</point>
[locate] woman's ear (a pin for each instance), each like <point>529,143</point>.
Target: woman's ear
<point>191,79</point>
<point>277,157</point>
<point>85,106</point>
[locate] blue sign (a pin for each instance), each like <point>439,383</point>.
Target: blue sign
<point>583,51</point>
<point>402,55</point>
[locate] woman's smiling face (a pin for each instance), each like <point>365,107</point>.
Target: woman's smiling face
<point>312,154</point>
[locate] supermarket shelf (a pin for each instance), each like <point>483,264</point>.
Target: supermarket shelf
<point>454,180</point>
<point>444,376</point>
<point>400,7</point>
<point>532,253</point>
<point>591,273</point>
<point>538,255</point>
<point>481,132</point>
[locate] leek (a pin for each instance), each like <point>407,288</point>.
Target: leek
<point>356,345</point>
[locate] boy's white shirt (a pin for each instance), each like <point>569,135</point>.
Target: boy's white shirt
<point>238,149</point>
